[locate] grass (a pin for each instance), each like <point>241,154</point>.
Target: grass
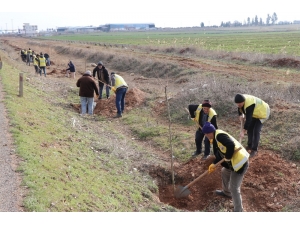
<point>273,41</point>
<point>67,168</point>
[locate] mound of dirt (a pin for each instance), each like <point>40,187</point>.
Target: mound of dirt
<point>269,184</point>
<point>107,107</point>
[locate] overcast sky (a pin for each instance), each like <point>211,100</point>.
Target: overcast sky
<point>163,13</point>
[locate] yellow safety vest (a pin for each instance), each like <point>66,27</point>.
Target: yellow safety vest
<point>29,52</point>
<point>211,114</point>
<point>42,61</point>
<point>119,81</point>
<point>35,61</point>
<point>240,157</point>
<point>261,109</point>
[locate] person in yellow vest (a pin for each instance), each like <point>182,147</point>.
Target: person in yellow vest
<point>28,57</point>
<point>200,114</point>
<point>255,112</point>
<point>35,64</point>
<point>42,64</point>
<point>119,86</point>
<point>234,166</point>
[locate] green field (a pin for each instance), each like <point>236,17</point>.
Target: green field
<point>260,40</point>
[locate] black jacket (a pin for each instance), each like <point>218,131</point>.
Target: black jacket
<point>192,110</point>
<point>230,146</point>
<point>105,73</point>
<point>87,86</point>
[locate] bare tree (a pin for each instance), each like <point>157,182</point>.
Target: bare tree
<point>274,18</point>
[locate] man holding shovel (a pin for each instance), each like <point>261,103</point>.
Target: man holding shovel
<point>103,78</point>
<point>235,163</point>
<point>256,112</point>
<point>200,114</point>
<point>87,87</point>
<point>119,86</point>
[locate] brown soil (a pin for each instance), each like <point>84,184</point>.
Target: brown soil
<point>271,184</point>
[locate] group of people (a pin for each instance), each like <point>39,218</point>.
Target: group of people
<point>40,61</point>
<point>253,112</point>
<point>88,87</point>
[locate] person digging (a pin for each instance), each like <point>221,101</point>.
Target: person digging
<point>233,168</point>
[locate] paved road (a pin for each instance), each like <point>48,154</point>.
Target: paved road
<point>10,196</point>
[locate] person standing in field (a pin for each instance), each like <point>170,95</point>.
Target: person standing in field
<point>42,64</point>
<point>87,87</point>
<point>119,86</point>
<point>36,63</point>
<point>28,57</point>
<point>71,70</point>
<point>103,79</point>
<point>256,112</point>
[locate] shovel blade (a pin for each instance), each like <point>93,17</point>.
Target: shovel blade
<point>181,192</point>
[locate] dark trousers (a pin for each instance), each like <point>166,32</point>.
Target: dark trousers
<point>101,86</point>
<point>198,139</point>
<point>253,133</point>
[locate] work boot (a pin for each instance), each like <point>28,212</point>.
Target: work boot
<point>118,115</point>
<point>196,154</point>
<point>205,157</point>
<point>221,193</point>
<point>253,153</point>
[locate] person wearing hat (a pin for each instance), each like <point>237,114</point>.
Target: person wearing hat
<point>42,64</point>
<point>103,78</point>
<point>87,87</point>
<point>200,114</point>
<point>235,163</point>
<point>119,86</point>
<point>70,70</point>
<point>256,112</point>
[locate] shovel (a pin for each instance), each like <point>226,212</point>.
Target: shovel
<point>181,192</point>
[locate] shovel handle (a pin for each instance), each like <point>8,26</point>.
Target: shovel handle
<point>206,172</point>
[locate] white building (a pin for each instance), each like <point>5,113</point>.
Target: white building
<point>29,30</point>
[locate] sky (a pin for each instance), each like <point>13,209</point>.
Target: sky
<point>163,13</point>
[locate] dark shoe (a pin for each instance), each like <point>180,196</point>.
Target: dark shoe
<point>196,154</point>
<point>221,193</point>
<point>99,98</point>
<point>205,157</point>
<point>118,115</point>
<point>248,148</point>
<point>253,153</point>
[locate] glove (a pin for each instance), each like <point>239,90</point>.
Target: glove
<point>211,168</point>
<point>227,160</point>
<point>113,89</point>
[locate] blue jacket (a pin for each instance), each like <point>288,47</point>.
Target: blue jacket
<point>71,67</point>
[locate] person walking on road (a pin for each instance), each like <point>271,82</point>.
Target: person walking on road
<point>119,86</point>
<point>256,112</point>
<point>87,87</point>
<point>71,70</point>
<point>103,78</point>
<point>234,167</point>
<point>201,114</point>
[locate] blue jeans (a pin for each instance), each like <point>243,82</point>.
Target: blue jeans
<point>120,100</point>
<point>87,103</point>
<point>42,68</point>
<point>101,85</point>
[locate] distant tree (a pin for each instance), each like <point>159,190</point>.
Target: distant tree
<point>260,21</point>
<point>237,23</point>
<point>248,21</point>
<point>252,22</point>
<point>256,20</point>
<point>201,24</point>
<point>274,18</point>
<point>222,24</point>
<point>268,19</point>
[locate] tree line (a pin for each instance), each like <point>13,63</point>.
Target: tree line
<point>270,20</point>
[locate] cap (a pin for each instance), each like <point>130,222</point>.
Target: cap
<point>208,128</point>
<point>239,98</point>
<point>206,103</point>
<point>112,73</point>
<point>100,63</point>
<point>88,72</point>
